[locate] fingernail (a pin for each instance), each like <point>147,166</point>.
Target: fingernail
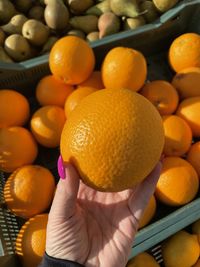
<point>61,169</point>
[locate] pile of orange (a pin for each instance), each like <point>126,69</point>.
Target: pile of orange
<point>76,92</point>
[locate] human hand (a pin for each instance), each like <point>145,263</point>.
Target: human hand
<point>95,228</point>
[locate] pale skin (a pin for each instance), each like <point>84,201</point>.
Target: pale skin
<point>94,228</point>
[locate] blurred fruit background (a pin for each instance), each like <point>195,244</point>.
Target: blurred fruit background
<point>30,136</point>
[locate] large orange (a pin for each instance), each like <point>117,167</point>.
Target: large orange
<point>178,136</point>
<point>31,241</point>
<point>14,108</point>
<point>94,81</point>
<point>124,67</point>
<point>187,82</point>
<point>114,138</point>
<point>47,124</point>
<point>143,259</point>
<point>181,249</point>
<point>193,156</point>
<point>149,212</point>
<point>162,94</point>
<point>71,60</point>
<point>184,52</point>
<point>75,98</point>
<point>17,148</point>
<point>178,183</point>
<point>189,110</point>
<point>29,190</point>
<point>51,91</point>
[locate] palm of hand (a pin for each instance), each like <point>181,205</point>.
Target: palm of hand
<point>94,228</point>
<point>100,231</point>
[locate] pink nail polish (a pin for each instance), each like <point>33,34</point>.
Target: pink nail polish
<point>61,169</point>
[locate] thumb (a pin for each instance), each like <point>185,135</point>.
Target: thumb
<point>64,203</point>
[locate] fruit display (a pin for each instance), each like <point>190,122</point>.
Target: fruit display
<point>114,124</point>
<point>180,249</point>
<point>30,28</point>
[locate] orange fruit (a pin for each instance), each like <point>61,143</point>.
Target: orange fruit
<point>47,124</point>
<point>162,95</point>
<point>187,82</point>
<point>51,91</point>
<point>124,67</point>
<point>178,136</point>
<point>197,264</point>
<point>106,139</point>
<point>31,241</point>
<point>74,99</point>
<point>94,81</point>
<point>149,212</point>
<point>184,52</point>
<point>181,249</point>
<point>193,156</point>
<point>178,183</point>
<point>17,148</point>
<point>29,190</point>
<point>142,260</point>
<point>189,110</point>
<point>71,60</point>
<point>14,108</point>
